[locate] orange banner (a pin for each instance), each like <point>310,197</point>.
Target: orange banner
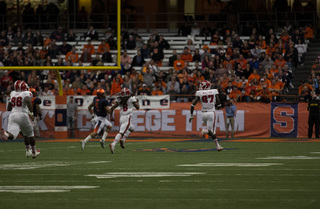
<point>251,120</point>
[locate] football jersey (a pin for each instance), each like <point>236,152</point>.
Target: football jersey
<point>35,101</point>
<point>17,101</point>
<point>207,99</point>
<point>127,107</point>
<point>99,106</point>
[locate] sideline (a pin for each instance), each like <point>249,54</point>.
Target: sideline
<point>182,140</point>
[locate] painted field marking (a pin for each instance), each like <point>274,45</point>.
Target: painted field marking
<point>230,164</point>
<point>97,162</point>
<point>314,152</point>
<point>42,189</point>
<point>289,158</point>
<point>44,164</point>
<point>142,174</point>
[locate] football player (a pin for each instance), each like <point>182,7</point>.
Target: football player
<point>99,114</point>
<point>36,111</point>
<point>127,103</point>
<point>19,120</point>
<point>209,99</point>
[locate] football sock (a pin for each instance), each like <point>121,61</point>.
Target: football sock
<point>125,136</point>
<point>87,139</point>
<point>104,136</point>
<point>33,149</point>
<point>216,142</point>
<point>116,139</point>
<point>28,147</point>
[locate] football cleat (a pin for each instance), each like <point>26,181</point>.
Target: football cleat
<point>122,144</point>
<point>83,143</point>
<point>111,148</point>
<point>102,143</point>
<point>219,148</point>
<point>35,154</point>
<point>28,153</point>
<point>3,135</point>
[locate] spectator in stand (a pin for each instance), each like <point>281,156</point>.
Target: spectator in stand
<point>6,80</point>
<point>186,56</point>
<point>46,91</point>
<point>144,90</point>
<point>138,60</point>
<point>172,58</point>
<point>72,56</point>
<point>157,53</point>
<point>125,58</point>
<point>206,30</point>
<point>85,56</point>
<point>237,43</point>
<point>116,85</point>
<point>106,55</point>
<point>308,32</point>
<point>64,48</point>
<point>71,36</point>
<point>229,64</point>
<point>148,77</point>
<point>302,50</point>
<point>191,47</point>
<point>254,75</point>
<point>139,42</point>
<point>83,90</point>
<point>235,93</point>
<point>184,30</point>
<point>263,93</point>
<point>280,62</point>
<point>242,61</point>
<point>163,43</point>
<point>297,35</point>
<point>215,38</point>
<point>195,30</point>
<point>58,35</point>
<point>131,44</point>
<point>206,52</point>
<point>102,46</point>
<point>175,84</point>
<point>4,41</point>
<point>157,91</point>
<point>145,51</point>
<point>183,94</point>
<point>89,46</point>
<point>305,94</point>
<point>92,34</point>
<point>155,35</point>
<point>196,56</point>
<point>274,91</point>
<point>178,64</point>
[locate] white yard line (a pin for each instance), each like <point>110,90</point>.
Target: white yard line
<point>230,164</point>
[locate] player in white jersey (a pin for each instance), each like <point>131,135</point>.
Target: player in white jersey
<point>209,100</point>
<point>20,119</point>
<point>127,103</point>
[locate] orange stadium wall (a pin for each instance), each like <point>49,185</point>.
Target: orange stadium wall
<point>252,120</point>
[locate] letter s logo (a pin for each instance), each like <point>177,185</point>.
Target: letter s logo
<point>284,119</point>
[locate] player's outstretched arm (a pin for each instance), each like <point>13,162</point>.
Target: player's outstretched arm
<point>218,103</point>
<point>194,102</point>
<point>114,106</point>
<point>39,111</point>
<point>90,109</point>
<point>27,100</point>
<point>136,105</point>
<point>9,108</point>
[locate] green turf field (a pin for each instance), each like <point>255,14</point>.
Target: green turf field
<point>162,175</point>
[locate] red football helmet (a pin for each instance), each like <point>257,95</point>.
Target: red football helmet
<point>205,85</point>
<point>125,92</point>
<point>20,86</point>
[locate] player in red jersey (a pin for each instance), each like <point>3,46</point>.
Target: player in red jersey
<point>209,100</point>
<point>127,103</point>
<point>20,119</point>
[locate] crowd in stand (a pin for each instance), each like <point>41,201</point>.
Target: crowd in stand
<point>257,69</point>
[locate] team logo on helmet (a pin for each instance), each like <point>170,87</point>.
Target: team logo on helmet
<point>125,92</point>
<point>205,85</point>
<point>20,86</point>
